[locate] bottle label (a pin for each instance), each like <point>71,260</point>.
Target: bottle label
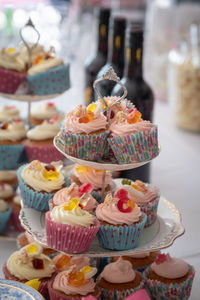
<point>103,30</point>
<point>138,54</point>
<point>117,41</point>
<point>128,55</point>
<point>88,95</point>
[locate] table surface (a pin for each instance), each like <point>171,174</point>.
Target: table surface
<point>175,172</point>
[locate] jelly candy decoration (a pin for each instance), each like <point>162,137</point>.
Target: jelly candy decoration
<point>62,261</point>
<point>135,186</point>
<point>77,279</point>
<point>50,172</point>
<point>72,204</point>
<point>134,117</point>
<point>126,182</point>
<point>53,120</point>
<point>131,110</point>
<point>86,118</point>
<point>18,120</point>
<point>141,186</point>
<point>98,171</point>
<point>12,107</point>
<point>125,205</point>
<point>161,258</point>
<point>34,283</point>
<point>121,193</point>
<point>4,126</point>
<point>112,114</point>
<point>82,169</point>
<point>92,107</point>
<point>10,50</point>
<point>38,264</point>
<point>2,186</point>
<point>38,60</point>
<point>86,269</point>
<point>84,188</point>
<point>50,104</point>
<point>32,249</point>
<point>78,110</point>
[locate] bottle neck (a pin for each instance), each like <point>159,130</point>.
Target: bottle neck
<point>102,46</point>
<point>134,54</point>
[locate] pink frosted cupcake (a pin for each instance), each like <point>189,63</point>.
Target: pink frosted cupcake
<point>29,263</point>
<point>65,262</point>
<point>146,196</point>
<point>118,280</point>
<point>73,284</point>
<point>169,278</point>
<point>85,132</point>
<point>39,142</point>
<point>69,228</point>
<point>84,174</point>
<point>87,202</point>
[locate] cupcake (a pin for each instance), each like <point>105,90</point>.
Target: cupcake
<point>73,284</point>
<point>84,174</point>
<point>39,142</point>
<point>169,278</point>
<point>84,132</point>
<point>133,139</point>
<point>140,261</point>
<point>29,263</point>
<point>9,177</point>
<point>42,112</point>
<point>87,202</point>
<point>146,196</point>
<point>69,228</point>
<point>11,136</point>
<point>26,238</point>
<point>118,280</point>
<point>65,262</point>
<point>121,221</point>
<point>6,192</point>
<point>5,212</point>
<point>8,113</point>
<point>38,182</point>
<point>16,207</point>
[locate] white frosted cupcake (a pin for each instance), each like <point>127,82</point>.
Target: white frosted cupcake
<point>42,112</point>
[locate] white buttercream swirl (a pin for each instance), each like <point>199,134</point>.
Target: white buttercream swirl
<point>76,217</point>
<point>6,191</point>
<point>17,200</point>
<point>44,111</point>
<point>34,177</point>
<point>7,175</point>
<point>3,205</point>
<point>45,65</point>
<point>12,61</point>
<point>16,131</point>
<point>8,112</point>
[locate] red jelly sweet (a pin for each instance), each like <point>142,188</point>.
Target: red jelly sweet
<point>121,193</point>
<point>84,188</point>
<point>122,206</point>
<point>4,126</point>
<point>38,264</point>
<point>50,167</point>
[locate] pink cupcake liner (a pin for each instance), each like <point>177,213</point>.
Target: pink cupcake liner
<point>45,154</point>
<point>16,222</point>
<point>67,238</point>
<point>56,295</point>
<point>150,209</point>
<point>10,81</point>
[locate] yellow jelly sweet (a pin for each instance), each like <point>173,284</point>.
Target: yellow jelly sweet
<point>92,107</point>
<point>131,203</point>
<point>78,110</point>
<point>98,171</point>
<point>86,269</point>
<point>34,283</point>
<point>62,261</point>
<point>134,117</point>
<point>11,50</point>
<point>50,175</point>
<point>72,204</point>
<point>32,249</point>
<point>136,187</point>
<point>82,169</point>
<point>77,279</point>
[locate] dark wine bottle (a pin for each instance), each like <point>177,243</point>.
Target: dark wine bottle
<point>98,59</point>
<point>139,92</point>
<point>115,53</point>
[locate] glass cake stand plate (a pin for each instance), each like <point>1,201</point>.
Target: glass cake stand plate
<point>58,143</point>
<point>161,234</point>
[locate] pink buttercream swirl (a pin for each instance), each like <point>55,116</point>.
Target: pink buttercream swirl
<point>95,177</point>
<point>61,284</point>
<point>140,255</point>
<point>124,128</point>
<point>71,123</point>
<point>171,268</point>
<point>66,194</point>
<point>120,271</point>
<point>77,262</point>
<point>109,212</point>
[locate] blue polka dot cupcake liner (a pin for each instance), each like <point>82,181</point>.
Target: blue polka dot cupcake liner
<point>89,147</point>
<point>4,218</point>
<point>139,147</point>
<point>50,82</point>
<point>10,156</point>
<point>33,199</point>
<point>165,291</point>
<point>121,238</point>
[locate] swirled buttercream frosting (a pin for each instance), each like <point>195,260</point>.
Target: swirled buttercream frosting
<point>120,271</point>
<point>44,111</point>
<point>124,128</point>
<point>43,177</point>
<point>11,59</point>
<point>8,112</point>
<point>170,267</point>
<point>13,131</point>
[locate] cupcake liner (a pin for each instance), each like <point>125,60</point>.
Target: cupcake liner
<point>34,199</point>
<point>10,81</point>
<point>50,82</point>
<point>67,238</point>
<point>45,153</point>
<point>138,147</point>
<point>150,209</point>
<point>159,290</point>
<point>56,295</point>
<point>10,156</point>
<point>4,218</point>
<point>121,238</point>
<point>89,147</point>
<point>118,295</point>
<point>16,222</point>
